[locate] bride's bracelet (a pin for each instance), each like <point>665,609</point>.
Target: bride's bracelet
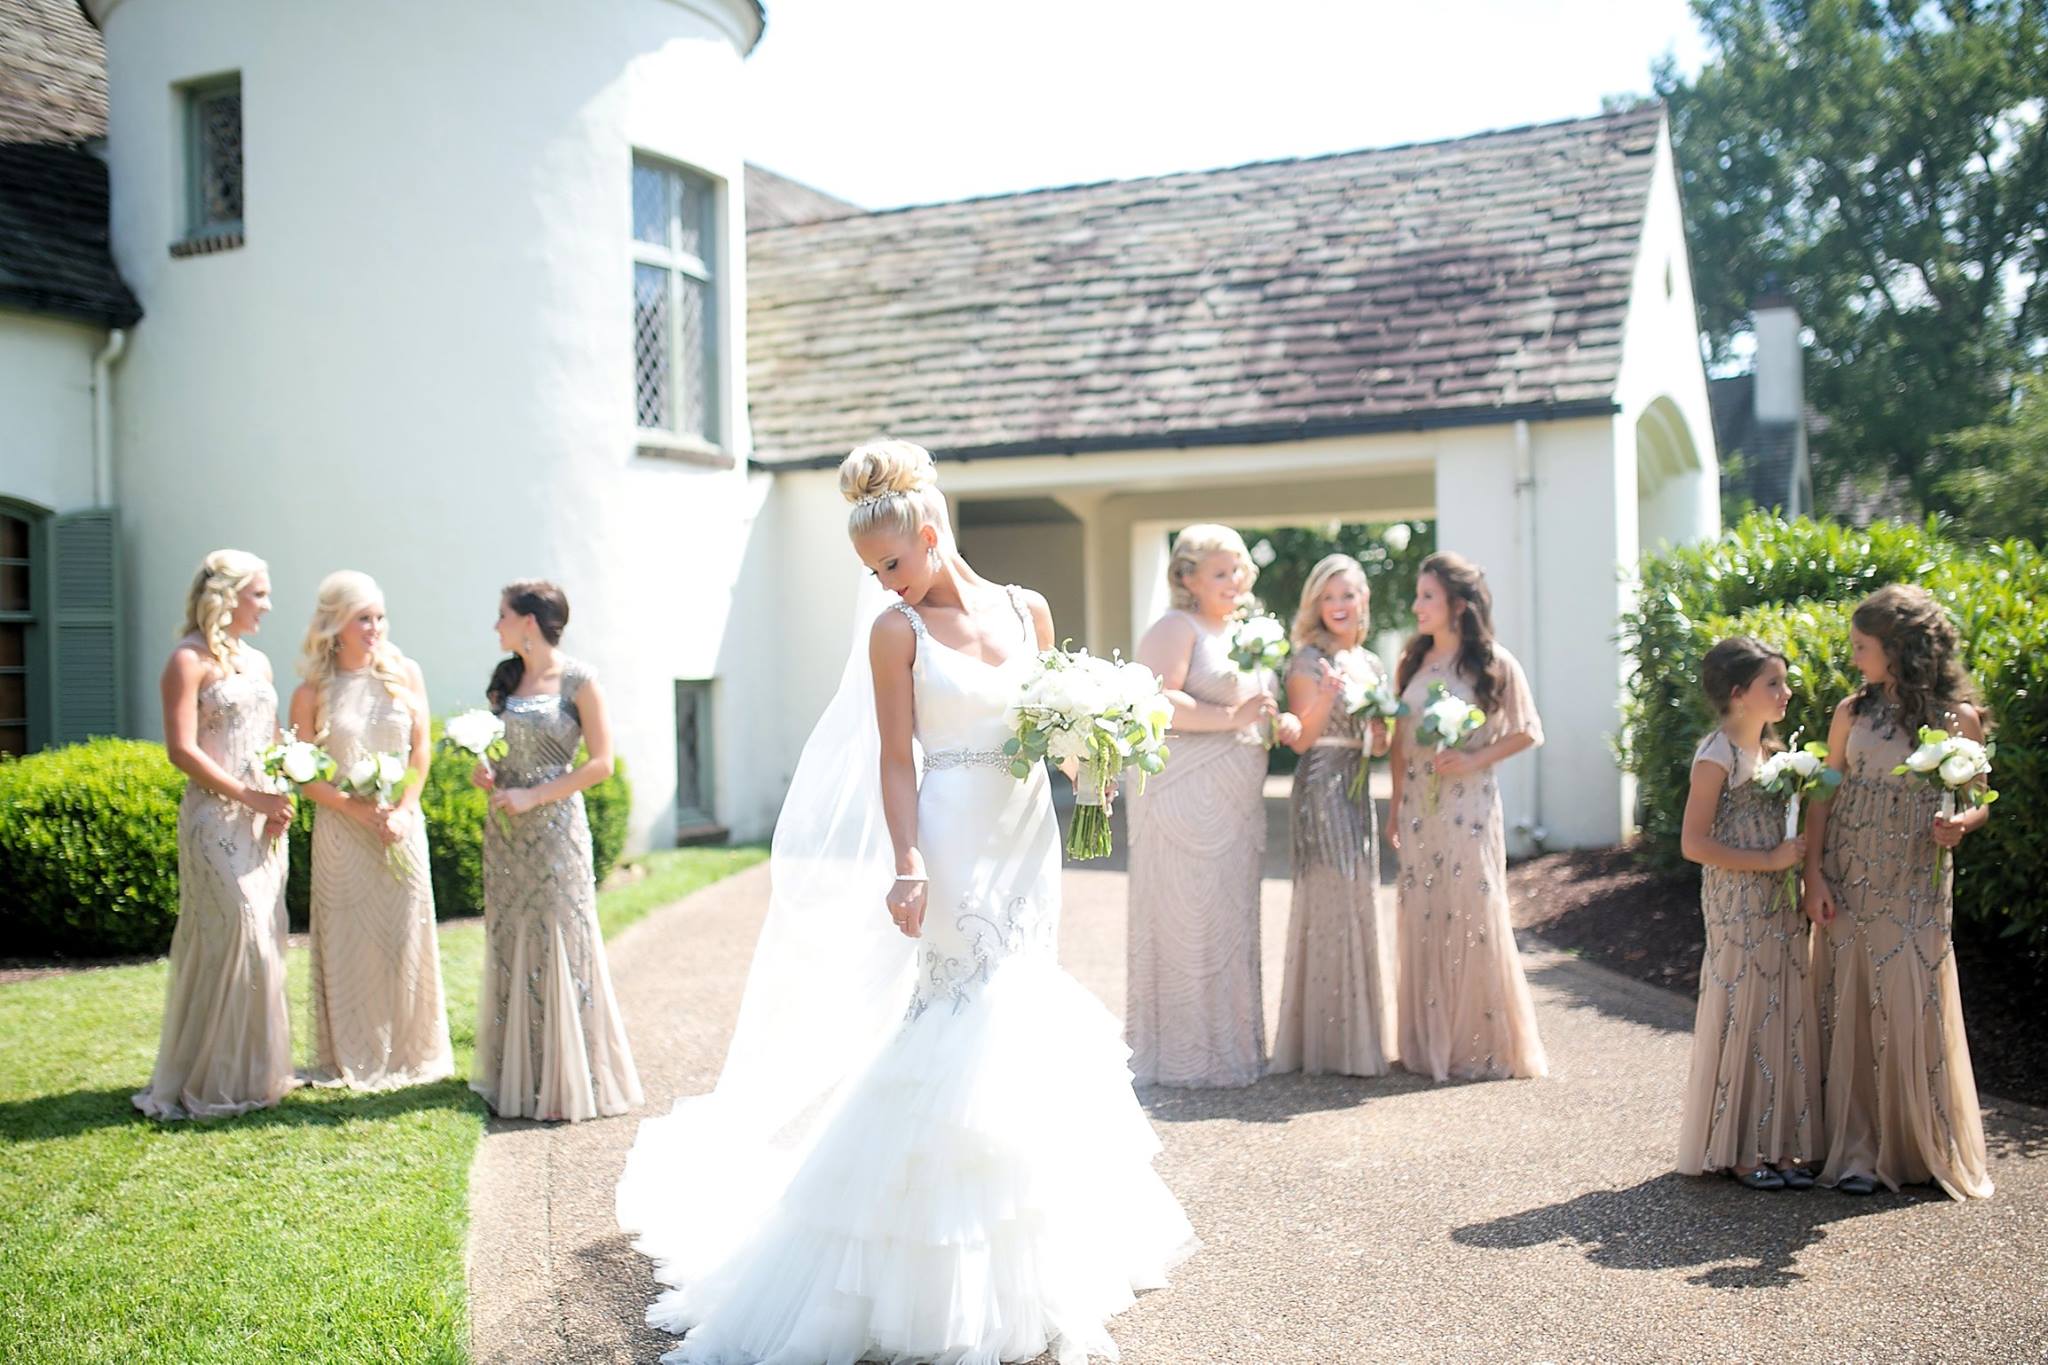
<point>912,877</point>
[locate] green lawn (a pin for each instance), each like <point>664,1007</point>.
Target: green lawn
<point>330,1228</point>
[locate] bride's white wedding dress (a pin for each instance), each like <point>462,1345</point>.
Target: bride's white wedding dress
<point>980,1188</point>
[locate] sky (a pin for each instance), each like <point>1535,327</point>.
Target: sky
<point>892,102</point>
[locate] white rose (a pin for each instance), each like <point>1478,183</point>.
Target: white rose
<point>1803,763</point>
<point>1957,769</point>
<point>390,768</point>
<point>1926,758</point>
<point>362,772</point>
<point>1067,744</point>
<point>476,730</point>
<point>1397,536</point>
<point>299,763</point>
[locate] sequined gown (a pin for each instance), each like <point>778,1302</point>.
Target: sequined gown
<point>1752,1097</point>
<point>984,1191</point>
<point>226,1043</point>
<point>1192,1009</point>
<point>378,1019</point>
<point>549,1040</point>
<point>1464,1004</point>
<point>1334,1005</point>
<point>1901,1097</point>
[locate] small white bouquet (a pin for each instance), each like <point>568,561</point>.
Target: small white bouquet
<point>1258,644</point>
<point>1955,763</point>
<point>1797,773</point>
<point>298,761</point>
<point>481,735</point>
<point>379,779</point>
<point>1448,720</point>
<point>1104,714</point>
<point>1258,641</point>
<point>1376,702</point>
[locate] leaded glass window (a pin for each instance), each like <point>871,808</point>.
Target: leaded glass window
<point>213,139</point>
<point>675,306</point>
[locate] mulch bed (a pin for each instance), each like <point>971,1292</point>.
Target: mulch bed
<point>1610,906</point>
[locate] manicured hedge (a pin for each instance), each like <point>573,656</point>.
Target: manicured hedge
<point>89,846</point>
<point>1794,585</point>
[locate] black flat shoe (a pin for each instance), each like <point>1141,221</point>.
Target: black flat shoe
<point>1856,1184</point>
<point>1762,1178</point>
<point>1796,1177</point>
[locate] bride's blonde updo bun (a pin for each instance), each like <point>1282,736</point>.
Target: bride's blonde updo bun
<point>893,486</point>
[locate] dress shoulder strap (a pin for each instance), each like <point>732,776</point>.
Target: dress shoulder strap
<point>910,612</point>
<point>1023,615</point>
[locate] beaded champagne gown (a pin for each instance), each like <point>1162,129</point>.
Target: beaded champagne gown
<point>1333,993</point>
<point>1900,1094</point>
<point>982,1190</point>
<point>550,1043</point>
<point>378,1019</point>
<point>1465,1009</point>
<point>226,1043</point>
<point>1192,1008</point>
<point>1752,1096</point>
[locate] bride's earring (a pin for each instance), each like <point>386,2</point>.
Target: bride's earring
<point>931,558</point>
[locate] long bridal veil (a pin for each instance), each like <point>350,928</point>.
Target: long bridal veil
<point>830,979</point>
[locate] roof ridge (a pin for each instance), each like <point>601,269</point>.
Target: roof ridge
<point>1615,117</point>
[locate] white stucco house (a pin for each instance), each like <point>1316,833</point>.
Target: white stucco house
<point>456,297</point>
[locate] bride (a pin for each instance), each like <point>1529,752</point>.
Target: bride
<point>924,1145</point>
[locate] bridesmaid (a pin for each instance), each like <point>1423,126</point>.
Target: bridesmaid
<point>1464,1005</point>
<point>1198,836</point>
<point>1752,1104</point>
<point>226,1044</point>
<point>549,1041</point>
<point>1900,1094</point>
<point>378,1020</point>
<point>1333,996</point>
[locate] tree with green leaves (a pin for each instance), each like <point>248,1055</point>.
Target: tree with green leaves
<point>1887,160</point>
<point>1390,558</point>
<point>1998,487</point>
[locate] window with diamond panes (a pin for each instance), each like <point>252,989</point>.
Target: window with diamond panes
<point>213,137</point>
<point>675,311</point>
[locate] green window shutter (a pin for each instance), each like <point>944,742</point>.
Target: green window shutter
<point>85,627</point>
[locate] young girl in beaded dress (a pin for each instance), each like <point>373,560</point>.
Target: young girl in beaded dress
<point>1901,1097</point>
<point>1752,1102</point>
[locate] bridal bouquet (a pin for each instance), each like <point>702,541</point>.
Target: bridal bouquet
<point>481,735</point>
<point>1448,720</point>
<point>379,778</point>
<point>1377,702</point>
<point>1954,763</point>
<point>1797,773</point>
<point>1104,714</point>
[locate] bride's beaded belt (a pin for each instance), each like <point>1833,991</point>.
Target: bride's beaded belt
<point>1338,742</point>
<point>965,758</point>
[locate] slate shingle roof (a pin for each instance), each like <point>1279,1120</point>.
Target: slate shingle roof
<point>1759,460</point>
<point>1439,283</point>
<point>777,201</point>
<point>54,251</point>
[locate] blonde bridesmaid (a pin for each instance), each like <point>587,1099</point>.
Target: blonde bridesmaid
<point>550,1042</point>
<point>378,1017</point>
<point>1752,1101</point>
<point>1900,1094</point>
<point>226,1042</point>
<point>1464,1004</point>
<point>1193,1014</point>
<point>1333,995</point>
